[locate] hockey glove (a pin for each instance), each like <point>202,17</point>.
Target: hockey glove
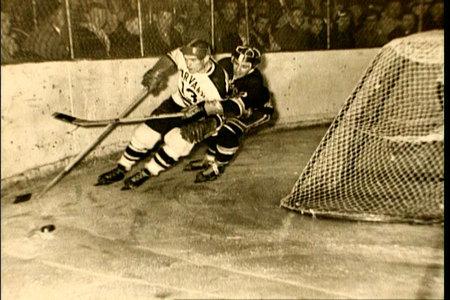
<point>199,130</point>
<point>194,112</point>
<point>203,109</point>
<point>267,109</point>
<point>154,81</point>
<point>156,78</point>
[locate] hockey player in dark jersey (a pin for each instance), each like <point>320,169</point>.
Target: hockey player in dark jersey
<point>248,105</point>
<point>200,78</point>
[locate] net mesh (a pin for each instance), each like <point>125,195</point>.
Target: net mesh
<point>382,159</point>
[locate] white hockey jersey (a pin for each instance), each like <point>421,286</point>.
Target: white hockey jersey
<point>197,87</point>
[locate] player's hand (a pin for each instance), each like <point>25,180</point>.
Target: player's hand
<point>153,81</point>
<point>194,112</point>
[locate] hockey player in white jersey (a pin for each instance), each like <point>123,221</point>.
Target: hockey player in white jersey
<point>200,79</point>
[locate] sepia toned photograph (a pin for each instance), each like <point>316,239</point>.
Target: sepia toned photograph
<point>222,149</point>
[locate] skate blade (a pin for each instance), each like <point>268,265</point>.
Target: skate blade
<point>190,168</point>
<point>204,179</point>
<point>99,183</point>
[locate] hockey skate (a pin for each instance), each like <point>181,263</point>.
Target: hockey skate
<point>199,164</point>
<point>211,173</point>
<point>116,174</point>
<point>136,180</point>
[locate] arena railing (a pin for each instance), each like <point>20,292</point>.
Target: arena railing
<point>69,29</point>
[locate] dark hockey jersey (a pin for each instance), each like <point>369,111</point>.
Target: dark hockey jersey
<point>248,98</point>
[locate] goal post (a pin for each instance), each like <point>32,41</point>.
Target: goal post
<point>382,158</point>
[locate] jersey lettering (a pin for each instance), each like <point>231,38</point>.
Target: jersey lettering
<point>190,89</point>
<point>188,93</point>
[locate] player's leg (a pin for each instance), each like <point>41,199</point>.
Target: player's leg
<point>178,142</point>
<point>144,140</point>
<point>174,147</point>
<point>209,157</point>
<point>227,144</point>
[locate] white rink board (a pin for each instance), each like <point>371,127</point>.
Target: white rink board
<point>308,87</point>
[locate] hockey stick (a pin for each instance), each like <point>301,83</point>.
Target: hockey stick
<point>137,100</point>
<point>96,123</point>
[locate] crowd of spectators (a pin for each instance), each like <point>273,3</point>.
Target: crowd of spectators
<point>128,28</point>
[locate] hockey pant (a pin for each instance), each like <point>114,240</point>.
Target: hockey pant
<point>224,145</point>
<point>149,136</point>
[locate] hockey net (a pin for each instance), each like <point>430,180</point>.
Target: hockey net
<point>382,158</point>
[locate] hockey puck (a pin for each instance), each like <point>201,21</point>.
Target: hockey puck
<point>22,198</point>
<point>48,228</point>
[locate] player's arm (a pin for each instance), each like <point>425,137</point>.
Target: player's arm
<point>156,78</point>
<point>255,96</point>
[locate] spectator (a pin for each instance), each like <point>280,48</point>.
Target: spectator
<point>420,9</point>
<point>302,4</point>
<point>125,40</point>
<point>377,5</point>
<point>369,36</point>
<point>194,23</point>
<point>122,9</point>
<point>227,26</point>
<point>9,44</point>
<point>260,34</point>
<point>295,35</point>
<point>90,40</point>
<point>342,31</point>
<point>249,36</point>
<point>390,19</point>
<point>270,8</point>
<point>50,41</point>
<point>357,11</point>
<point>338,7</point>
<point>161,36</point>
<point>318,38</point>
<point>319,8</point>
<point>20,15</point>
<point>434,18</point>
<point>284,17</point>
<point>407,27</point>
<point>112,22</point>
<point>242,33</point>
<point>236,38</point>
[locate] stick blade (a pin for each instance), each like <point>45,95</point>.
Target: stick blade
<point>63,117</point>
<point>22,198</point>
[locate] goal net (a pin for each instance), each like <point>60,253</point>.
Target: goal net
<point>382,158</point>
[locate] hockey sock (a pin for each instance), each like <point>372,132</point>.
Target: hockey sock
<point>161,161</point>
<point>144,140</point>
<point>167,156</point>
<point>131,156</point>
<point>225,154</point>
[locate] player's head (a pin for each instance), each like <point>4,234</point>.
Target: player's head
<point>245,59</point>
<point>197,55</point>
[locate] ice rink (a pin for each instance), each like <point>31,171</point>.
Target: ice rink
<point>173,238</point>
